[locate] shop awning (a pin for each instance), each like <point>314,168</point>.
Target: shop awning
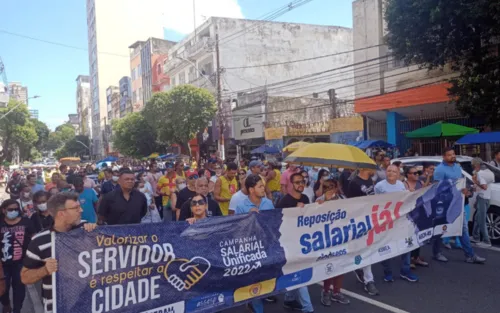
<point>474,139</point>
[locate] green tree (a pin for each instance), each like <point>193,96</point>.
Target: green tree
<point>460,33</point>
<point>134,137</point>
<point>16,131</point>
<point>178,115</point>
<point>75,147</point>
<point>42,131</point>
<point>62,134</point>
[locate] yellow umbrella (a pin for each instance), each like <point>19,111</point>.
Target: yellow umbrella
<point>153,155</point>
<point>295,146</point>
<point>331,155</point>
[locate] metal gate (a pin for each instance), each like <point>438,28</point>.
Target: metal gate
<point>433,146</point>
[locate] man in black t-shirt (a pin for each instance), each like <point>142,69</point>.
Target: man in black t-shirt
<point>360,186</point>
<point>292,200</point>
<point>187,193</point>
<point>295,198</point>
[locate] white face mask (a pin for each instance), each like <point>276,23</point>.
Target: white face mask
<point>181,186</point>
<point>26,195</point>
<point>42,207</point>
<point>143,190</point>
<point>115,178</point>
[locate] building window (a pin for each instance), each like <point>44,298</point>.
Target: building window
<point>134,96</point>
<point>133,74</point>
<point>139,93</point>
<point>159,69</point>
<point>182,78</point>
<point>139,71</point>
<point>173,81</point>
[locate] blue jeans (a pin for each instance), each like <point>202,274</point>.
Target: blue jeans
<point>302,295</point>
<point>480,229</point>
<point>405,267</point>
<point>464,240</point>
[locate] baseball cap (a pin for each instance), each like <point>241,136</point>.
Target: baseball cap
<point>169,165</point>
<point>191,173</point>
<point>255,163</point>
<point>212,160</point>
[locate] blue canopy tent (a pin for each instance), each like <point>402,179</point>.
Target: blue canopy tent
<point>108,159</point>
<point>265,149</point>
<point>475,139</point>
<point>366,144</point>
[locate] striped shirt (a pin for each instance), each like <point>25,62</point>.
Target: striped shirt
<point>39,250</point>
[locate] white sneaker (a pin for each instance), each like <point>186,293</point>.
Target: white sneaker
<point>483,244</point>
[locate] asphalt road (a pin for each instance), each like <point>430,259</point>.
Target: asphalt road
<point>455,287</point>
<point>443,287</point>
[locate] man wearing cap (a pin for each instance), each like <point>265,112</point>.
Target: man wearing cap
<point>186,193</point>
<point>211,166</point>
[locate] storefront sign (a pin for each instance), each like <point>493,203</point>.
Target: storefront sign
<point>274,133</point>
<point>317,128</point>
<point>346,124</point>
<point>247,123</point>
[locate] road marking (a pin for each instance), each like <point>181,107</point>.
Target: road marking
<point>376,303</point>
<point>379,304</point>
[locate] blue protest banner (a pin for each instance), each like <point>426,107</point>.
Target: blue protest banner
<point>221,262</point>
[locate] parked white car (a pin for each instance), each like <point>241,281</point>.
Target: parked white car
<point>493,216</point>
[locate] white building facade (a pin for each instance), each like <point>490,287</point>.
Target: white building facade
<point>112,25</point>
<point>285,59</point>
<point>83,105</point>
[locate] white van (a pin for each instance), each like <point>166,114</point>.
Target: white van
<point>493,216</point>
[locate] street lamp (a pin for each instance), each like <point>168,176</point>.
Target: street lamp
<point>34,97</point>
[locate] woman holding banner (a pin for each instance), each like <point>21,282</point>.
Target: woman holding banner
<point>331,192</point>
<point>413,183</point>
<point>199,208</point>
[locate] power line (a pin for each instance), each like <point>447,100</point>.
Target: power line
<point>313,74</point>
<point>350,100</point>
<point>270,16</point>
<point>59,44</point>
<point>303,60</point>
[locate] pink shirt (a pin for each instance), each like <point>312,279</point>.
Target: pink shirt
<point>285,180</point>
<point>153,180</point>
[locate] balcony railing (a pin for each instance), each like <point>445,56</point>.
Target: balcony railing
<point>200,47</point>
<point>171,64</point>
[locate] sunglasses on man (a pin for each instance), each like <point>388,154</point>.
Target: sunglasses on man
<point>193,177</point>
<point>299,182</point>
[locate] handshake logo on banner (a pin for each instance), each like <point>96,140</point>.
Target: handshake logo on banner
<point>183,274</point>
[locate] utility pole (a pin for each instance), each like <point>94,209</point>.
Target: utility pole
<point>219,99</point>
<point>333,102</point>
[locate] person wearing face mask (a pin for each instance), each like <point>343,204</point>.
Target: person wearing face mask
<point>16,232</point>
<point>218,173</point>
<point>318,186</point>
<point>332,192</point>
<point>186,193</point>
<point>41,219</point>
<point>211,207</point>
<point>112,184</point>
<point>88,200</point>
<point>26,201</point>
